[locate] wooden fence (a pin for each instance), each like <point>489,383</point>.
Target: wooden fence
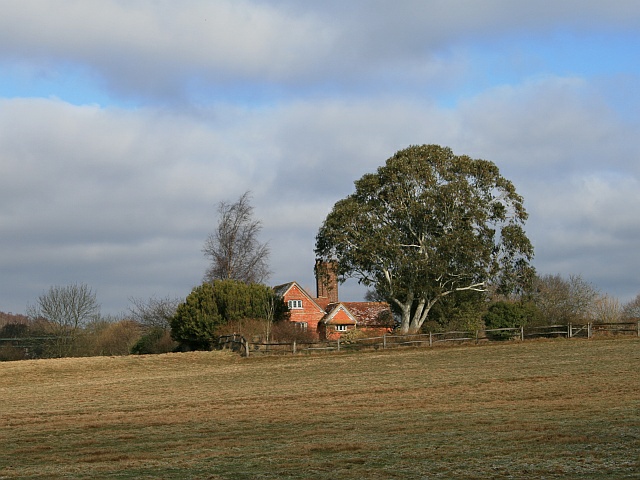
<point>238,343</point>
<point>235,342</point>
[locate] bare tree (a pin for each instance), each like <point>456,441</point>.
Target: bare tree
<point>607,309</point>
<point>565,301</point>
<point>631,310</point>
<point>269,316</point>
<point>234,249</point>
<point>67,309</point>
<point>155,312</point>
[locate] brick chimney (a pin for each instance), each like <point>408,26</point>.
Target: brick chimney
<point>327,280</point>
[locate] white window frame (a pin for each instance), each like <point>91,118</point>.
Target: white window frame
<point>301,325</point>
<point>294,304</point>
<point>341,328</point>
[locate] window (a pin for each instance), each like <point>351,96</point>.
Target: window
<point>302,326</point>
<point>294,304</point>
<point>341,328</point>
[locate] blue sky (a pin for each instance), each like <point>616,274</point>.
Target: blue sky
<point>123,124</point>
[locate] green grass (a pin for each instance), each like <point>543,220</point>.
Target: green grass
<point>539,409</point>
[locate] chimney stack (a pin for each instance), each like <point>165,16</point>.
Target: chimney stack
<point>327,280</point>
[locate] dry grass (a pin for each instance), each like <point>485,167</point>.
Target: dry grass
<point>552,409</point>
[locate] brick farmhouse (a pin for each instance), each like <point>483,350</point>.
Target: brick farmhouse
<point>325,315</point>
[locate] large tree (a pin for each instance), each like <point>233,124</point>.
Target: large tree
<point>234,248</point>
<point>426,225</point>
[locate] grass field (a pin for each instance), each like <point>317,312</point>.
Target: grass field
<point>539,409</point>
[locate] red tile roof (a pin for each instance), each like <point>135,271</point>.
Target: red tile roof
<point>371,314</point>
<point>366,314</point>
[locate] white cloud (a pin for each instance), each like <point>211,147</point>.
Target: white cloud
<point>105,193</point>
<point>595,211</point>
<point>548,128</point>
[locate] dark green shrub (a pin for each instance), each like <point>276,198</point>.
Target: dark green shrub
<point>13,349</point>
<point>226,306</point>
<point>157,340</point>
<point>194,324</point>
<point>463,311</point>
<point>509,315</point>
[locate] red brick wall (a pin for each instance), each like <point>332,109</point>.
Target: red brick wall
<point>327,280</point>
<point>330,332</point>
<point>309,312</point>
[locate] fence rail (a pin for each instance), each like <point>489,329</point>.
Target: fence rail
<point>238,343</point>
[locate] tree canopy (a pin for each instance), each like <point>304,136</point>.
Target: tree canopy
<point>426,225</point>
<point>234,248</point>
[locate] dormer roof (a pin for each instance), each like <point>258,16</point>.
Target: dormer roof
<point>333,310</point>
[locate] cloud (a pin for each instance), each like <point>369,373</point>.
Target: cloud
<point>127,197</point>
<point>90,192</point>
<point>549,126</point>
<point>169,50</point>
<point>187,104</point>
<point>157,48</point>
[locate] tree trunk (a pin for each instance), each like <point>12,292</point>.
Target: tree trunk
<point>405,309</point>
<point>418,316</point>
<point>405,320</point>
<point>413,323</point>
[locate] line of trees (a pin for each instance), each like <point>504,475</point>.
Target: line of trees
<point>27,337</point>
<point>160,325</point>
<point>439,236</point>
<point>550,300</point>
<point>554,300</point>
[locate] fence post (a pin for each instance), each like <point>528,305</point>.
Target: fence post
<point>246,346</point>
<point>338,343</point>
<point>384,341</point>
<point>476,337</point>
<point>589,330</point>
<point>293,348</point>
<point>521,333</point>
<point>569,330</point>
<point>639,328</point>
<point>430,340</point>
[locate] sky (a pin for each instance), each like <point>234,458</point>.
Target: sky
<point>123,124</point>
